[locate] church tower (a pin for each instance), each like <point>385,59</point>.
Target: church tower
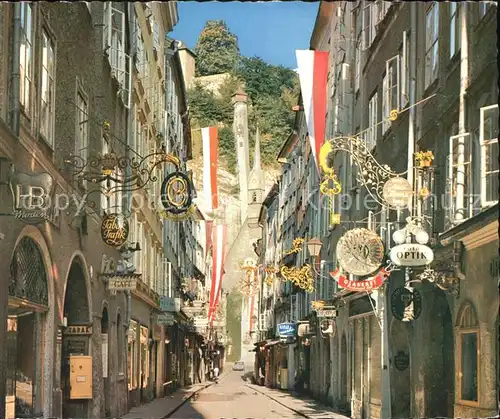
<point>255,186</point>
<point>240,130</point>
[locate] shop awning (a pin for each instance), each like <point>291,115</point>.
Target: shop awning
<point>272,343</point>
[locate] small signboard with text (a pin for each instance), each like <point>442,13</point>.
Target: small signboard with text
<point>287,330</point>
<point>170,304</point>
<point>166,319</point>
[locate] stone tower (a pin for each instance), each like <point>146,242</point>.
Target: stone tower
<point>240,129</point>
<point>255,185</point>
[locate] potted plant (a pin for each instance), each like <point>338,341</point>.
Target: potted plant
<point>424,158</point>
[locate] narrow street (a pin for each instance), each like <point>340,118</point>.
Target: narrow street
<point>234,397</point>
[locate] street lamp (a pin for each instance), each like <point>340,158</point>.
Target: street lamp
<point>314,246</point>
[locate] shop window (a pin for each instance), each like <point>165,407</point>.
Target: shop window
<point>469,354</point>
<point>371,131</point>
<point>144,355</point>
<point>431,44</point>
<point>131,354</point>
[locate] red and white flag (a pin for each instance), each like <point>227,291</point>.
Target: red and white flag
<point>313,76</point>
<point>219,248</point>
<point>210,139</point>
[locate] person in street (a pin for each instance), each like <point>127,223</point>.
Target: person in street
<point>216,372</point>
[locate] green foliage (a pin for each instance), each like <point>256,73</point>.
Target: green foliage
<point>217,49</point>
<point>272,91</point>
<point>227,147</point>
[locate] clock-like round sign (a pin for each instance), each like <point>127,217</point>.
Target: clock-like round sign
<point>176,193</point>
<point>360,251</point>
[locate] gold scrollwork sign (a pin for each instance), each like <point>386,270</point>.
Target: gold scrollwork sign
<point>302,277</point>
<point>114,230</point>
<point>176,195</point>
<point>296,246</point>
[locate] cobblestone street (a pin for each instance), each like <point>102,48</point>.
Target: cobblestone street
<point>234,397</point>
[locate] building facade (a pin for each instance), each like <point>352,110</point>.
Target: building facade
<point>431,63</point>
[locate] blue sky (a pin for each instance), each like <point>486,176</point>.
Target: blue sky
<point>271,30</point>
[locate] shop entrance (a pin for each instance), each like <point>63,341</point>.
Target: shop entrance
<point>76,313</point>
<point>28,308</point>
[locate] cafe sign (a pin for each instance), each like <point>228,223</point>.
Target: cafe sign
<point>114,230</point>
<point>122,284</point>
<point>76,330</point>
<point>369,284</point>
<point>411,254</point>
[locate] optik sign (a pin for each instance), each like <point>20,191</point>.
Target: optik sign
<point>410,254</point>
<point>287,330</point>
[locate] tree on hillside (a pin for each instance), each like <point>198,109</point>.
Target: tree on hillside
<point>217,49</point>
<point>262,79</point>
<point>203,106</point>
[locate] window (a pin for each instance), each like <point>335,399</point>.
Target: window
<point>47,93</point>
<point>469,352</point>
<point>404,78</point>
<point>357,65</point>
<point>390,91</point>
<point>431,44</point>
<point>488,140</point>
<point>371,132</point>
<point>459,173</point>
<point>454,28</point>
<point>368,25</point>
<point>82,123</point>
<point>114,45</point>
<point>25,60</point>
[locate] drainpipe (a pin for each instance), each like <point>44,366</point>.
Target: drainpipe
<point>464,82</point>
<point>15,105</point>
<point>130,121</point>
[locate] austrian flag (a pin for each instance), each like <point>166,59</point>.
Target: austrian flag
<point>313,76</point>
<point>210,141</point>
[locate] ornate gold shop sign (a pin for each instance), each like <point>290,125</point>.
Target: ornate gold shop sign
<point>122,284</point>
<point>360,251</point>
<point>77,329</point>
<point>114,230</point>
<point>177,197</point>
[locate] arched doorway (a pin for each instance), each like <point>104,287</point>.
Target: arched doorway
<point>27,322</point>
<point>76,340</point>
<point>344,382</point>
<point>105,360</point>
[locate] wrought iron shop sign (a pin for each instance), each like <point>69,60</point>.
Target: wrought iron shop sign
<point>114,230</point>
<point>326,313</point>
<point>76,330</point>
<point>406,304</point>
<point>32,196</point>
<point>411,254</point>
<point>360,251</point>
<point>369,284</point>
<point>177,196</point>
<point>397,192</point>
<point>287,330</point>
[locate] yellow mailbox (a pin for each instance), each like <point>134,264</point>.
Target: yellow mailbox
<point>80,377</point>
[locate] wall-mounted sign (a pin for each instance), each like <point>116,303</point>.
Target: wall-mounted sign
<point>402,361</point>
<point>360,251</point>
<point>411,254</point>
<point>77,329</point>
<point>406,304</point>
<point>170,304</point>
<point>114,230</point>
<point>32,196</point>
<point>397,192</point>
<point>122,284</point>
<point>287,329</point>
<point>326,313</point>
<point>166,319</point>
<point>176,193</point>
<point>369,284</point>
